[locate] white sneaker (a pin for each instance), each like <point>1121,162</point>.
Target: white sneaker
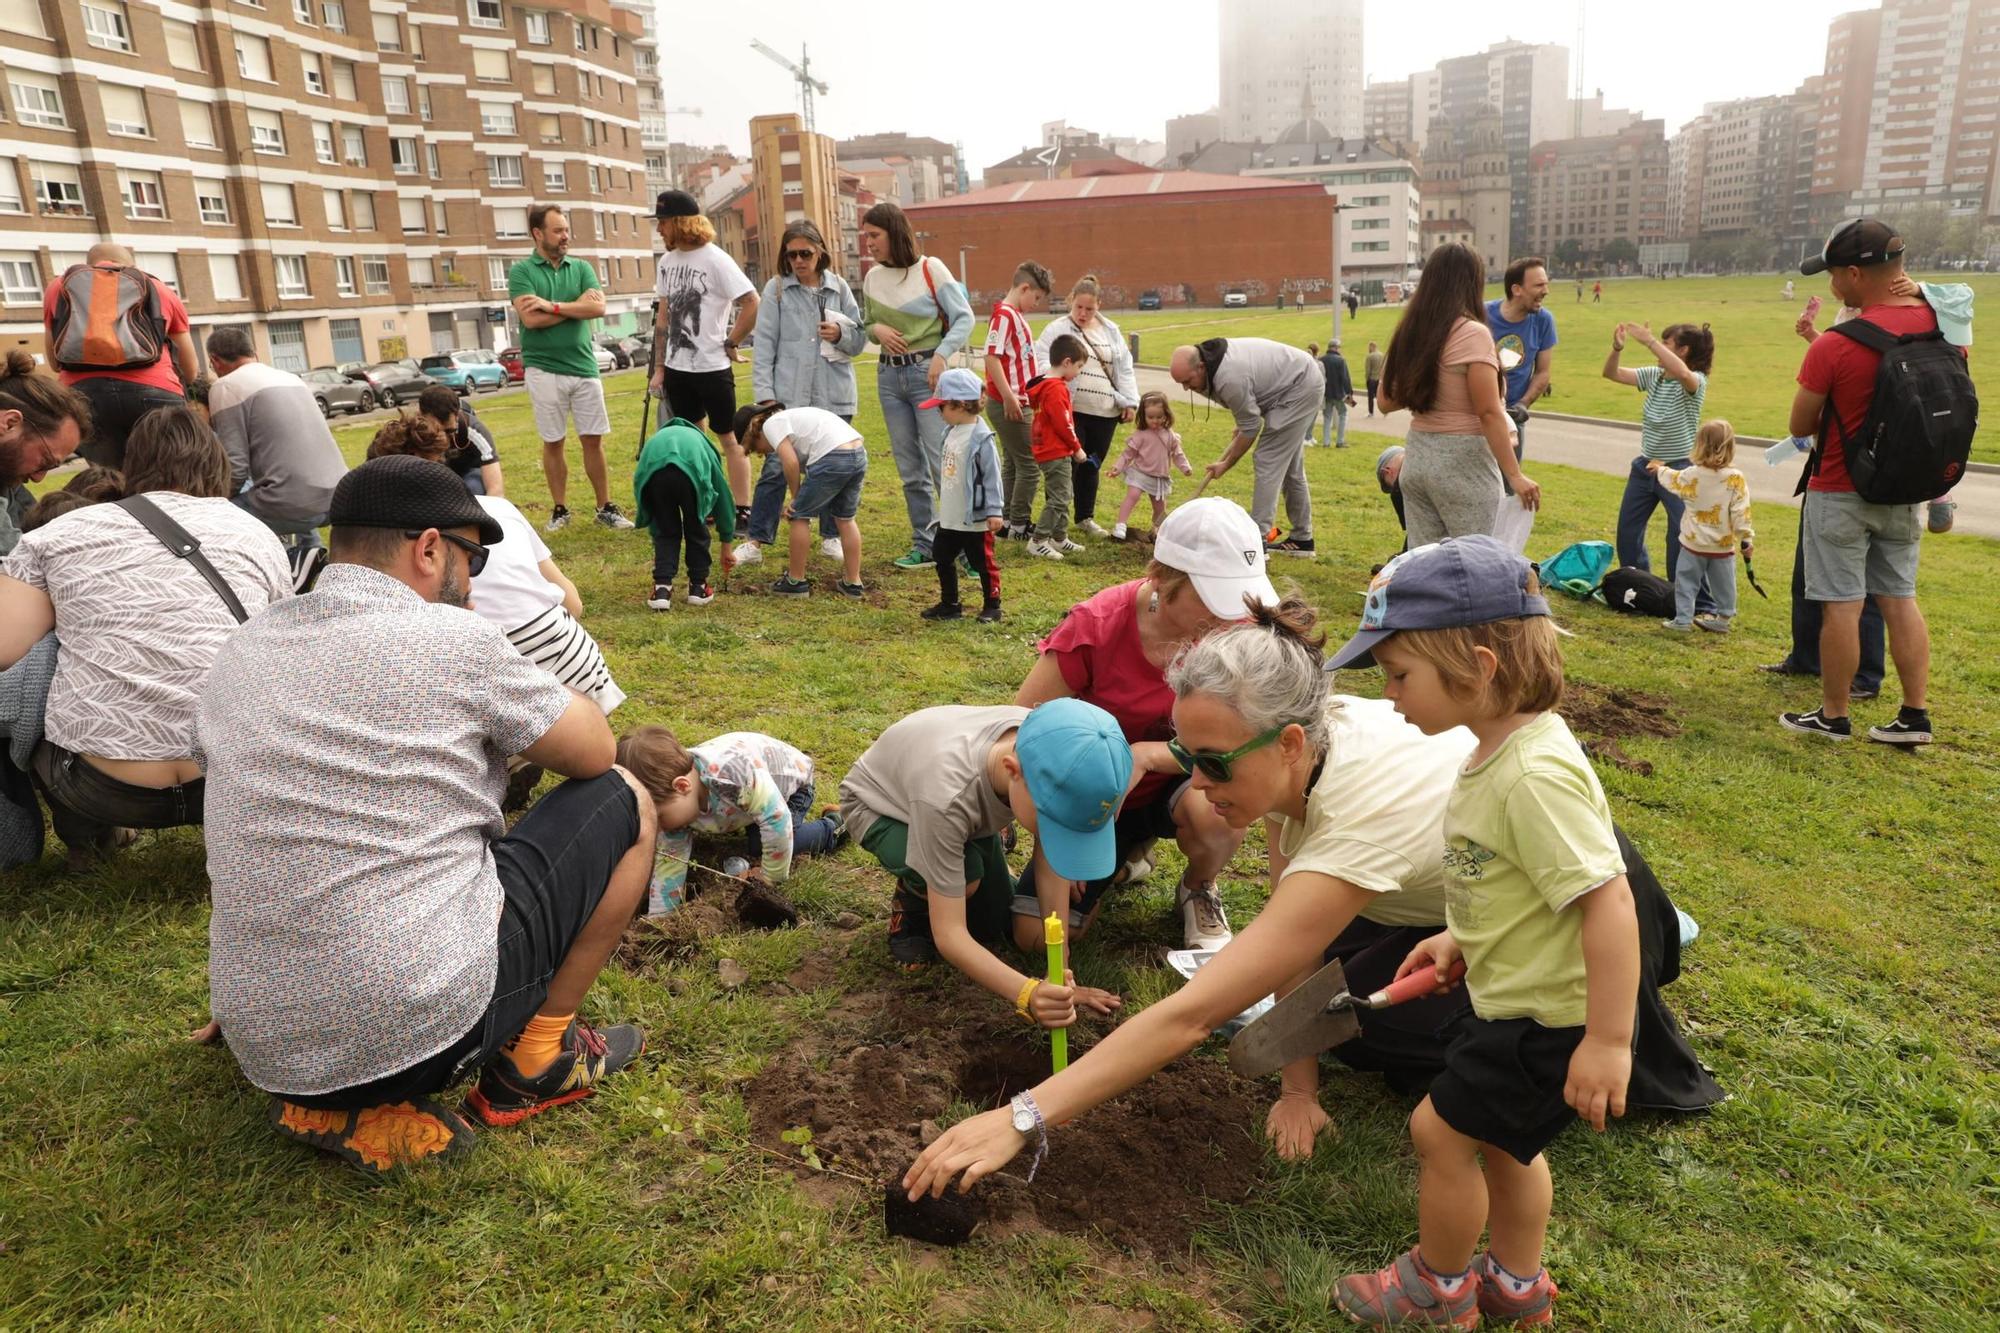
<point>830,548</point>
<point>1044,548</point>
<point>1138,867</point>
<point>1069,547</point>
<point>1090,526</point>
<point>749,553</point>
<point>1117,532</point>
<point>1202,920</point>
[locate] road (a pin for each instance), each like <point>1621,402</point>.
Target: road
<point>1609,447</point>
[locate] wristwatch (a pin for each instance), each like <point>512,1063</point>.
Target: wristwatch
<point>1025,1113</point>
<point>730,344</point>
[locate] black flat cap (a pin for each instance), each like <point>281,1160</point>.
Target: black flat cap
<point>403,491</point>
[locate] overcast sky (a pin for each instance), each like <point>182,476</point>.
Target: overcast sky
<point>964,73</point>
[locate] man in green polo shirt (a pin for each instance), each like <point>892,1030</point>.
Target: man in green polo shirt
<point>557,297</point>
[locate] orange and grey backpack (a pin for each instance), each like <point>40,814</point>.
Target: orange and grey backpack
<point>107,318</point>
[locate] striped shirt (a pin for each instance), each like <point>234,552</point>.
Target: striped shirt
<point>1671,415</point>
<point>1008,337</point>
<point>557,643</point>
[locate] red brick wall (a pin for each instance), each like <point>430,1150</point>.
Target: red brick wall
<point>1189,250</point>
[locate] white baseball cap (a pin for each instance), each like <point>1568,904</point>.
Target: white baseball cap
<point>1218,547</point>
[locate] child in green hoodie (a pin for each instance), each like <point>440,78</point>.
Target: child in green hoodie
<point>680,486</point>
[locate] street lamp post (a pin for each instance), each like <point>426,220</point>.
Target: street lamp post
<point>1338,306</point>
<point>962,280</point>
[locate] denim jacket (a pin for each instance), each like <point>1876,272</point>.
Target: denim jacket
<point>786,364</point>
<point>979,477</point>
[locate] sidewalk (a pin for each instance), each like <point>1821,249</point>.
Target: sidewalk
<point>1609,447</point>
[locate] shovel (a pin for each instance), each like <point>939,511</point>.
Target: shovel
<point>1751,574</point>
<point>1319,1016</point>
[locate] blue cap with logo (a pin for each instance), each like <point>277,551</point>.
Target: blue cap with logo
<point>1460,581</point>
<point>1076,763</point>
<point>957,385</point>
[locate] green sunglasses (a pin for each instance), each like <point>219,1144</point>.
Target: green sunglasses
<point>1215,765</point>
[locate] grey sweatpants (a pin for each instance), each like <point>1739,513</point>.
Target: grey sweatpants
<point>1280,463</point>
<point>1451,486</point>
<point>1057,495</point>
<point>1018,473</point>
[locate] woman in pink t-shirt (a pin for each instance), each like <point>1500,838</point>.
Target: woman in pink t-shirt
<point>1442,365</point>
<point>1113,649</point>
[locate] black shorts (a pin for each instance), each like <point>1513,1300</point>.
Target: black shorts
<point>1404,1043</point>
<point>1503,1084</point>
<point>554,868</point>
<point>698,395</point>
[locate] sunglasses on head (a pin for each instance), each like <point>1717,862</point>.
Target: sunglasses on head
<point>475,554</point>
<point>1214,764</point>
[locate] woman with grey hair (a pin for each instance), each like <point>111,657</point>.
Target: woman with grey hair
<point>1353,800</point>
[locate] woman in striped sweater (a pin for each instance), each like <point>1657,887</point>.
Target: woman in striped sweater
<point>918,314</point>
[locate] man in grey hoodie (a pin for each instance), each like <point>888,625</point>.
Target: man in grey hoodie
<point>1274,391</point>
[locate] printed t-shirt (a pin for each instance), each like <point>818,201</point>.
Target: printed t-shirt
<point>1670,416</point>
<point>1526,834</point>
<point>952,464</point>
<point>1844,370</point>
<point>929,771</point>
<point>1530,337</point>
<point>1467,351</point>
<point>161,374</point>
<point>813,431</point>
<point>699,288</point>
<point>1102,660</point>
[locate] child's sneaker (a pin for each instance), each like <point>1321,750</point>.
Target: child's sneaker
<point>943,611</point>
<point>1117,532</point>
<point>910,943</point>
<point>749,553</point>
<point>662,598</point>
<point>989,613</point>
<point>1091,526</point>
<point>1498,1302</point>
<point>701,595</point>
<point>838,823</point>
<point>506,1096</point>
<point>1678,626</point>
<point>1714,624</point>
<point>830,548</point>
<point>1299,546</point>
<point>851,591</point>
<point>1017,532</point>
<point>1911,727</point>
<point>914,559</point>
<point>787,586</point>
<point>1817,723</point>
<point>379,1139</point>
<point>1069,546</point>
<point>1044,548</point>
<point>609,517</point>
<point>1408,1293</point>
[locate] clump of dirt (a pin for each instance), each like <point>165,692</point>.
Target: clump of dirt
<point>1602,716</point>
<point>1139,1171</point>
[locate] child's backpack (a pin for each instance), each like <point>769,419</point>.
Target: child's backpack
<point>107,318</point>
<point>1918,434</point>
<point>1639,592</point>
<point>1577,569</point>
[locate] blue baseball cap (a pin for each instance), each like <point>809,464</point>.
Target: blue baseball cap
<point>955,386</point>
<point>1459,581</point>
<point>1077,764</point>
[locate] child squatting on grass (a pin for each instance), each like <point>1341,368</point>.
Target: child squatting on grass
<point>970,499</point>
<point>825,464</point>
<point>741,780</point>
<point>1539,910</point>
<point>1151,454</point>
<point>681,489</point>
<point>1715,520</point>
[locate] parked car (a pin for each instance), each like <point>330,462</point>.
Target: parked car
<point>466,372</point>
<point>625,352</point>
<point>335,392</point>
<point>393,381</point>
<point>1149,300</point>
<point>606,363</point>
<point>511,362</point>
<point>1235,299</point>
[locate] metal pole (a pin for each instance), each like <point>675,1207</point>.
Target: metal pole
<point>962,280</point>
<point>1337,304</point>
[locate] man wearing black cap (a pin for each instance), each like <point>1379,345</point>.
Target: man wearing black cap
<point>1854,549</point>
<point>377,932</point>
<point>698,284</point>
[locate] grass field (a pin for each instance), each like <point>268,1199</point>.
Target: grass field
<point>1756,352</point>
<point>1844,989</point>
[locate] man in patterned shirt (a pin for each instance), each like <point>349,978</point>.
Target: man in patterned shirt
<point>377,932</point>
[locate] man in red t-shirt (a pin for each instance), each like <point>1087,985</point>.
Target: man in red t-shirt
<point>118,398</point>
<point>1852,549</point>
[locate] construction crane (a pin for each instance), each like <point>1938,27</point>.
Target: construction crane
<point>802,71</point>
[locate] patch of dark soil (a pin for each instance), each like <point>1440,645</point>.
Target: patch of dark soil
<point>765,907</point>
<point>1139,1171</point>
<point>1615,714</point>
<point>1610,752</point>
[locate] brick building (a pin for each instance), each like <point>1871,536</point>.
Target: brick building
<point>348,183</point>
<point>947,161</point>
<point>798,178</point>
<point>1188,236</point>
<point>1599,194</point>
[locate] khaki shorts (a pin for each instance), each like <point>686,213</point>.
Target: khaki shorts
<point>560,399</point>
<point>1854,549</point>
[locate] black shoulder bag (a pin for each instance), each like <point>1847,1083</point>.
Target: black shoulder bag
<point>178,540</point>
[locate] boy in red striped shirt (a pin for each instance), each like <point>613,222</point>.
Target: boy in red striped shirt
<point>1010,365</point>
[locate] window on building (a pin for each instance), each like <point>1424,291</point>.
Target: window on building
<point>543,80</point>
<point>280,207</point>
<point>183,50</point>
<point>124,110</point>
<point>510,221</point>
<point>416,40</point>
<point>412,213</point>
<point>140,191</point>
<point>362,204</point>
<point>423,271</point>
<point>334,204</point>
<point>424,103</point>
<point>554,176</point>
<point>302,10</point>
<point>323,149</point>
<point>548,128</point>
<point>314,67</point>
<point>395,95</point>
<point>162,264</point>
<point>497,118</point>
<point>403,156</point>
<point>58,188</point>
<point>374,274</point>
<point>292,280</point>
<point>225,277</point>
<point>582,34</point>
<point>496,273</point>
<point>10,190</point>
<point>489,66</point>
<point>37,100</point>
<point>105,25</point>
<point>439,219</point>
<point>197,124</point>
<point>343,275</point>
<point>485,14</point>
<point>347,344</point>
<point>503,170</point>
<point>20,279</point>
<point>211,198</point>
<point>431,165</point>
<point>334,14</point>
<point>267,131</point>
<point>537,25</point>
<point>22,16</point>
<point>593,179</point>
<point>343,80</point>
<point>388,32</point>
<point>253,57</point>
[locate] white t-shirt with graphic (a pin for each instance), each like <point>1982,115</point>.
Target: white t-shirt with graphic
<point>698,288</point>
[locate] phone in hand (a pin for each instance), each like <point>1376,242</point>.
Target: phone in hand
<point>1812,308</point>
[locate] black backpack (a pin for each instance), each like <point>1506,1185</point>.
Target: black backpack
<point>1639,592</point>
<point>1918,434</point>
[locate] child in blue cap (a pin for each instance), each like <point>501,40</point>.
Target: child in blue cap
<point>1538,909</point>
<point>930,800</point>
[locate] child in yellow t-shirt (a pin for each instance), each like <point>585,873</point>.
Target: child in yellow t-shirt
<point>1537,907</point>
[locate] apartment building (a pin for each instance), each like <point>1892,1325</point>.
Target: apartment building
<point>1527,86</point>
<point>1274,53</point>
<point>348,180</point>
<point>798,179</point>
<point>1743,170</point>
<point>946,173</point>
<point>1381,230</point>
<point>1599,197</point>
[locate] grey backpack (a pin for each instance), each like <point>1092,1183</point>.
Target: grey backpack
<point>107,318</point>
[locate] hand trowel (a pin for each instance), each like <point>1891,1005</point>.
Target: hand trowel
<point>1319,1016</point>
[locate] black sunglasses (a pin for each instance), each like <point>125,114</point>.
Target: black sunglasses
<point>475,554</point>
<point>802,254</point>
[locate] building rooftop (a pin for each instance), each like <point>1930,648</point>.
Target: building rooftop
<point>1231,157</point>
<point>1137,185</point>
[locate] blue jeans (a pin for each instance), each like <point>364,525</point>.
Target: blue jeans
<point>831,486</point>
<point>767,503</point>
<point>916,442</point>
<point>1336,409</point>
<point>1700,578</point>
<point>1635,511</point>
